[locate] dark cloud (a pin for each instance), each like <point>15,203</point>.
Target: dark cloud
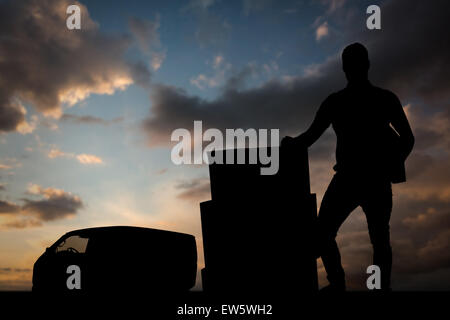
<point>47,65</point>
<point>11,115</point>
<point>140,73</point>
<point>288,106</point>
<point>54,204</point>
<point>8,207</point>
<point>410,59</point>
<point>88,119</point>
<point>55,207</point>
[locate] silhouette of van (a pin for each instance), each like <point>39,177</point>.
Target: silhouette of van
<point>119,258</point>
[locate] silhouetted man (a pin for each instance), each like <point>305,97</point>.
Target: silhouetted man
<point>369,157</point>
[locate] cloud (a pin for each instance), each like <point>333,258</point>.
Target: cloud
<point>54,204</point>
<point>218,60</point>
<point>11,115</point>
<point>56,153</point>
<point>83,158</point>
<point>10,163</point>
<point>8,207</point>
<point>291,105</point>
<point>273,105</point>
<point>89,159</point>
<point>57,204</point>
<point>157,60</point>
<point>86,119</point>
<point>201,81</point>
<point>339,17</point>
<point>220,70</point>
<point>412,59</point>
<point>25,127</point>
<point>194,190</point>
<point>322,31</point>
<point>49,66</point>
<point>147,36</point>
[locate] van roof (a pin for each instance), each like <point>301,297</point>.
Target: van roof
<point>125,230</point>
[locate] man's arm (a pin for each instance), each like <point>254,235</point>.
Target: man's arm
<point>400,123</point>
<point>321,122</point>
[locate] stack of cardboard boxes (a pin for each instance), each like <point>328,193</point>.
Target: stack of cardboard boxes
<point>259,230</point>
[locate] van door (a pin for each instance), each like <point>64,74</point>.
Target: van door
<point>70,251</point>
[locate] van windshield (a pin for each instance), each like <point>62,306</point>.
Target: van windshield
<point>74,244</point>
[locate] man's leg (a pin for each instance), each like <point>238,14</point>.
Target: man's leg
<point>337,203</point>
<point>378,206</point>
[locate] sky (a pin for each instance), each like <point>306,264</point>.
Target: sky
<point>86,115</point>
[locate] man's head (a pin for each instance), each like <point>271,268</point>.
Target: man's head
<point>355,62</point>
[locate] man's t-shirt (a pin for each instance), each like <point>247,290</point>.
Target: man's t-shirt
<point>366,142</point>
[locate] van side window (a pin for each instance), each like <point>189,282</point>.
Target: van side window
<point>73,244</point>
